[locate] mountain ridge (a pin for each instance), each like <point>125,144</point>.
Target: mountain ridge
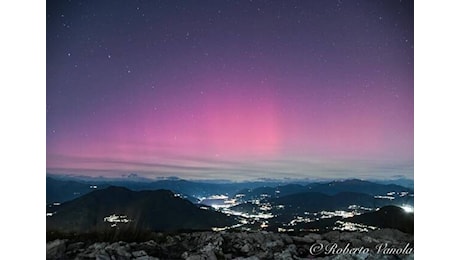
<point>137,210</point>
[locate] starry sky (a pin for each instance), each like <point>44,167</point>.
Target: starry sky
<point>236,90</point>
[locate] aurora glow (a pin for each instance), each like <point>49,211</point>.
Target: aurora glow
<point>230,89</point>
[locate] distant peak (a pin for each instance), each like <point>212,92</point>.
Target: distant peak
<point>116,188</point>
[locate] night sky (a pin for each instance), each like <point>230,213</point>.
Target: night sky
<point>230,89</point>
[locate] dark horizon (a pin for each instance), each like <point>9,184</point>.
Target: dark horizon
<point>287,180</point>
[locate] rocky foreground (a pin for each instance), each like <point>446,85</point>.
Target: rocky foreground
<point>379,244</point>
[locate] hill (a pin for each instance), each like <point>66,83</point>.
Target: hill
<point>387,217</point>
<point>64,190</point>
<point>328,188</point>
<point>355,185</point>
<point>117,207</point>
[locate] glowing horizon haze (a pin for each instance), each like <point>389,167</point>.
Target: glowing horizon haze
<point>234,90</point>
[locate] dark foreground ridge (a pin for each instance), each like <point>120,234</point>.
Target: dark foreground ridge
<point>161,210</point>
<point>378,244</point>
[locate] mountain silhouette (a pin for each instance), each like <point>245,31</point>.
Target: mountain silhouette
<point>141,210</point>
<point>356,185</point>
<point>387,217</point>
<point>328,188</point>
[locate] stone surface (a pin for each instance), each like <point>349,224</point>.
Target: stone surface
<point>139,253</point>
<point>55,249</point>
<point>232,245</point>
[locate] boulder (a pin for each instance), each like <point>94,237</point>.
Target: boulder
<point>123,253</point>
<point>195,257</point>
<point>55,249</point>
<point>369,240</point>
<point>99,246</point>
<point>274,244</point>
<point>246,248</point>
<point>313,236</point>
<point>139,253</point>
<point>285,255</point>
<point>75,247</point>
<point>287,239</point>
<point>332,236</point>
<point>102,255</point>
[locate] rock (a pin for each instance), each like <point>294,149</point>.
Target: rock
<point>276,243</point>
<point>302,252</point>
<point>342,257</point>
<point>55,249</point>
<point>87,254</point>
<point>247,258</point>
<point>313,236</point>
<point>102,255</point>
<point>291,249</point>
<point>285,255</point>
<point>259,238</point>
<point>323,242</point>
<point>139,253</point>
<point>195,257</point>
<point>369,240</point>
<point>389,235</point>
<point>208,248</point>
<point>210,255</point>
<point>346,236</point>
<point>381,257</point>
<point>287,239</point>
<point>145,257</point>
<point>99,246</point>
<point>265,255</point>
<point>408,257</point>
<point>113,246</point>
<point>246,248</point>
<point>355,242</point>
<point>236,244</point>
<point>251,258</point>
<point>309,240</point>
<point>361,256</point>
<point>302,240</point>
<point>118,250</point>
<point>332,236</point>
<point>75,246</point>
<point>122,252</point>
<point>230,245</point>
<point>151,248</point>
